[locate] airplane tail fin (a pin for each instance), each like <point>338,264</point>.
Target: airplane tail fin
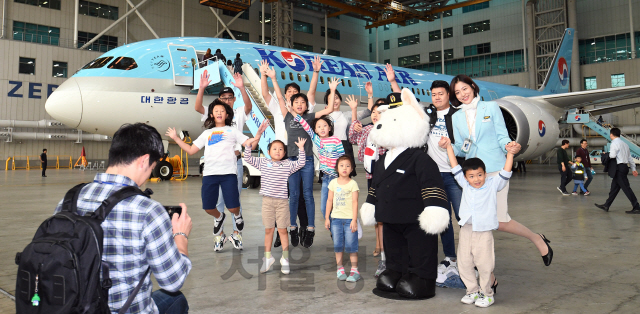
<point>557,79</point>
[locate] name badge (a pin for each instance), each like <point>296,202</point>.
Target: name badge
<point>486,119</point>
<point>466,146</point>
<point>400,171</point>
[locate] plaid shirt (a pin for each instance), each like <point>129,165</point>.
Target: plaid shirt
<point>137,235</point>
<point>360,138</point>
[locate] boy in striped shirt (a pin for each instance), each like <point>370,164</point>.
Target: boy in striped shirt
<point>275,173</point>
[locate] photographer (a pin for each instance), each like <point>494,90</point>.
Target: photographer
<point>138,233</point>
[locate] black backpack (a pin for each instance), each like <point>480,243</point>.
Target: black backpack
<point>59,271</point>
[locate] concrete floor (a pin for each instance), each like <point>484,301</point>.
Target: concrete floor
<point>595,267</point>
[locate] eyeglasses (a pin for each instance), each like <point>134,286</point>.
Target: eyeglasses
<point>227,98</point>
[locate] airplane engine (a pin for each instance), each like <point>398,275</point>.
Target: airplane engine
<point>529,125</point>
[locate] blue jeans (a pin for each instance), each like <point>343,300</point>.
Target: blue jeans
<point>303,176</point>
<point>220,206</point>
<point>343,238</point>
<point>324,193</point>
<point>579,183</point>
<point>454,194</point>
<point>589,178</point>
<point>170,302</point>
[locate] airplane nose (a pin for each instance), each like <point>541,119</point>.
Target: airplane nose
<point>65,103</point>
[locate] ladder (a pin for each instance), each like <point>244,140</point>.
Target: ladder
<point>254,88</point>
<point>590,122</point>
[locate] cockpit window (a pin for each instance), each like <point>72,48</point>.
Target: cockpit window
<point>123,63</point>
<point>97,63</point>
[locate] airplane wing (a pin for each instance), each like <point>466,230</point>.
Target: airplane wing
<point>591,97</point>
<point>598,110</point>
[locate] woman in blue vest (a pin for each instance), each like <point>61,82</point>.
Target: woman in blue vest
<point>489,141</point>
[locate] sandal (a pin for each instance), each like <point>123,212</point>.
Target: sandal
<point>376,252</point>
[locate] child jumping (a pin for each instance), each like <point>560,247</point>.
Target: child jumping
<point>579,176</point>
<point>219,174</point>
<point>478,216</point>
<point>342,217</point>
<point>275,204</point>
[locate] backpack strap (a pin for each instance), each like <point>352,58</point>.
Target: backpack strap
<point>133,294</point>
<point>70,202</point>
<point>107,205</point>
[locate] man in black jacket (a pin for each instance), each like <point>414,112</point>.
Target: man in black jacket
<point>440,113</point>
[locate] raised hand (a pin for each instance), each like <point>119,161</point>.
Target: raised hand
<point>333,83</point>
<point>300,142</point>
<point>317,64</point>
<point>264,66</point>
<point>444,142</point>
<point>204,80</point>
<point>271,73</point>
<point>237,81</point>
<point>287,105</point>
<point>357,126</point>
<point>171,133</point>
<point>369,88</point>
<point>263,126</point>
<point>391,74</point>
<point>351,101</point>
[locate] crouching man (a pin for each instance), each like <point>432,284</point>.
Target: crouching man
<point>138,233</point>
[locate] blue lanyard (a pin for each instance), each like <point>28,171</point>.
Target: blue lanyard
<point>111,183</point>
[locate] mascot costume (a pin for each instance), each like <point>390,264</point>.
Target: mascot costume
<point>407,195</point>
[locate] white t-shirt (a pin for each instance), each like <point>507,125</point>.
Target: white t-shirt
<point>278,119</point>
<point>219,149</point>
<point>239,119</point>
<point>436,153</point>
<point>340,123</point>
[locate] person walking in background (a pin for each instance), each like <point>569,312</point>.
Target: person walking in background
<point>618,170</point>
<point>563,167</point>
<point>237,64</point>
<point>43,162</point>
<point>583,153</point>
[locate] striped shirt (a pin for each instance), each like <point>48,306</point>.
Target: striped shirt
<point>274,174</point>
<point>329,148</point>
<point>360,138</point>
<point>137,235</point>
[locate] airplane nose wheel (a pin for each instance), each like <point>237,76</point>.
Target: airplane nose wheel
<point>164,170</point>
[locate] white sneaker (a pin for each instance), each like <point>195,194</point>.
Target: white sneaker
<point>470,298</point>
<point>446,262</point>
<point>284,263</point>
<point>484,301</point>
<point>219,242</point>
<point>236,240</point>
<point>266,264</point>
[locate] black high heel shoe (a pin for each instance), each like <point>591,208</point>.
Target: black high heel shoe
<point>494,287</point>
<point>547,258</point>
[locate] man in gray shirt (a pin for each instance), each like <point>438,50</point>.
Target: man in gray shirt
<point>620,151</point>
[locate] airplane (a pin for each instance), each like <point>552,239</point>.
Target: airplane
<point>155,82</point>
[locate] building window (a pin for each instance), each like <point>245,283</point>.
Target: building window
<point>387,61</point>
<point>448,32</point>
<point>370,48</point>
<point>617,80</point>
<point>51,4</point>
<point>386,45</point>
<point>412,21</point>
<point>267,40</point>
<point>408,60</point>
<point>98,10</point>
<point>237,34</point>
<point>36,33</point>
<point>267,18</point>
<point>590,83</point>
<point>477,49</point>
<point>448,54</point>
<point>27,66</point>
<point>435,56</point>
<point>304,47</point>
<point>331,52</point>
<point>59,69</point>
<point>302,27</point>
<point>445,14</point>
<point>409,40</point>
<point>244,15</point>
<point>475,7</point>
<point>386,27</point>
<point>435,35</point>
<point>476,27</point>
<point>476,66</point>
<point>607,48</point>
<point>333,33</point>
<point>104,43</point>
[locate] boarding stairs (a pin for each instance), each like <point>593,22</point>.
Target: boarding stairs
<point>254,89</point>
<point>577,117</point>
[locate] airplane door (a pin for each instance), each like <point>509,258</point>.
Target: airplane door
<point>184,58</point>
<point>493,95</point>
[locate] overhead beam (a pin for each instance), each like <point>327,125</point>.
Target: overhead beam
<point>350,8</point>
<point>113,24</point>
<point>455,6</point>
<point>334,14</point>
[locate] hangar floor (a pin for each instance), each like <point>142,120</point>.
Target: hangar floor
<point>594,270</point>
